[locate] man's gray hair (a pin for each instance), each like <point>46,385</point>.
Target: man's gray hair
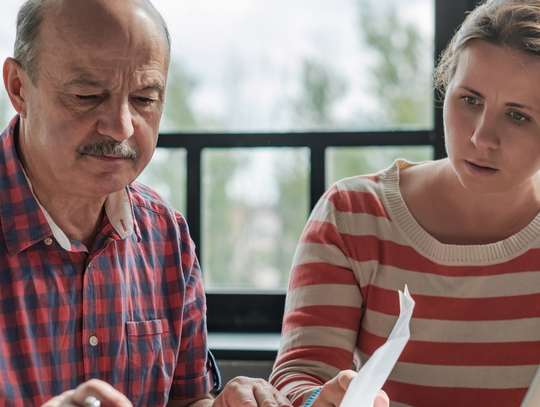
<point>29,19</point>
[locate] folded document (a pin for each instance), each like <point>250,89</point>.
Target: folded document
<point>366,385</point>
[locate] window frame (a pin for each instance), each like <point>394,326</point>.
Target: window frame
<point>261,312</point>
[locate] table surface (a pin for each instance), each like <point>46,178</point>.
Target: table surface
<point>244,341</point>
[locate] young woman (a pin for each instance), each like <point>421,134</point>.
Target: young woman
<point>463,233</point>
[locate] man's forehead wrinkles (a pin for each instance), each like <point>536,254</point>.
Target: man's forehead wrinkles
<point>82,81</point>
<point>143,82</point>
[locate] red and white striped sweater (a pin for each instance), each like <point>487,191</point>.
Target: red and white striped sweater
<point>475,330</point>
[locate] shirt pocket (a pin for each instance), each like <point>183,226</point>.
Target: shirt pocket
<point>149,374</point>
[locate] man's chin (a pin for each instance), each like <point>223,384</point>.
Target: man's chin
<point>107,184</point>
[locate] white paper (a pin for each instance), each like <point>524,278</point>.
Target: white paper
<point>366,385</point>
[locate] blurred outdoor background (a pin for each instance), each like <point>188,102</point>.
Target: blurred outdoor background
<point>279,66</point>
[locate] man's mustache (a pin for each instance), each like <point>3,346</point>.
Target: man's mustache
<point>110,147</point>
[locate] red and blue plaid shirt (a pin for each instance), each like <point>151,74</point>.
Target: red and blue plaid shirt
<point>131,311</point>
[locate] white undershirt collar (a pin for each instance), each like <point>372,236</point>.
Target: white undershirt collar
<point>117,208</point>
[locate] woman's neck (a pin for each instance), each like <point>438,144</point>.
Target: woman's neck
<point>454,215</point>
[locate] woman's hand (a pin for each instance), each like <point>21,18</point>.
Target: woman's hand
<point>333,391</point>
<point>104,392</point>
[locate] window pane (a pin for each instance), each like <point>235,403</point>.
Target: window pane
<point>288,65</point>
<point>342,162</point>
<point>255,205</point>
<point>166,173</point>
<point>283,65</point>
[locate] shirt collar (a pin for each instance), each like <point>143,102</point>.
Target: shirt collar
<point>60,236</point>
<point>117,208</point>
<point>13,178</point>
<point>119,212</point>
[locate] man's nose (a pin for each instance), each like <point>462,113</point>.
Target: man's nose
<point>116,121</point>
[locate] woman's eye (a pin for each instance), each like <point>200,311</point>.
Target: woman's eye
<point>470,100</point>
<point>518,116</point>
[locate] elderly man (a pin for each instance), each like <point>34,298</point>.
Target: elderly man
<point>101,299</point>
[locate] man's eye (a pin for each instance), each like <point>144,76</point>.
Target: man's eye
<point>86,98</point>
<point>146,101</point>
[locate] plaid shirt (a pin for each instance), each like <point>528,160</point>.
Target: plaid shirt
<point>131,311</point>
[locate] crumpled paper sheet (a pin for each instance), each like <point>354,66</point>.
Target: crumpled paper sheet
<point>366,385</point>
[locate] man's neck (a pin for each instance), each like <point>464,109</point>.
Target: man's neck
<point>78,218</point>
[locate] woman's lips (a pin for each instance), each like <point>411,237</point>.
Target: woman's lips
<point>480,170</point>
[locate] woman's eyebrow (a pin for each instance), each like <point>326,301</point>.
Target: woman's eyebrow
<point>509,104</point>
<point>522,106</point>
<point>474,92</point>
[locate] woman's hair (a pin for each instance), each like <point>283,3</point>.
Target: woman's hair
<point>510,23</point>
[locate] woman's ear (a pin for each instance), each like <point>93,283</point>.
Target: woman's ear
<point>14,81</point>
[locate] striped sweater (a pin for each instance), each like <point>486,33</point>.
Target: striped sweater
<point>475,330</point>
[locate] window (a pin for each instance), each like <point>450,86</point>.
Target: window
<point>268,103</point>
<point>166,173</point>
<point>274,68</point>
<point>254,207</point>
<point>349,121</point>
<point>302,65</point>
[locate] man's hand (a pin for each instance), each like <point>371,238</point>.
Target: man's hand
<point>104,392</point>
<point>247,392</point>
<point>333,391</point>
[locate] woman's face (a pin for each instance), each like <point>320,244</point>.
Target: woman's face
<point>492,118</point>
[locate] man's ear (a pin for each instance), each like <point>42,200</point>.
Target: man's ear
<point>14,79</point>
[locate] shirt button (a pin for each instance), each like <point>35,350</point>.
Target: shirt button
<point>48,241</point>
<point>93,340</point>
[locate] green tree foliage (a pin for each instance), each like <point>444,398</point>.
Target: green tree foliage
<point>245,242</point>
<point>250,242</point>
<point>167,171</point>
<point>402,66</point>
<point>343,162</point>
<point>400,88</point>
<point>320,89</point>
<point>6,110</point>
<point>221,220</point>
<point>293,207</point>
<point>177,113</point>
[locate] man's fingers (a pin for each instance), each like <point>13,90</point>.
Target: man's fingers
<point>237,393</point>
<point>268,396</point>
<point>104,392</point>
<point>248,392</point>
<point>57,401</point>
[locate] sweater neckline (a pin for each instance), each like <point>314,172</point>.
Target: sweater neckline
<point>434,250</point>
